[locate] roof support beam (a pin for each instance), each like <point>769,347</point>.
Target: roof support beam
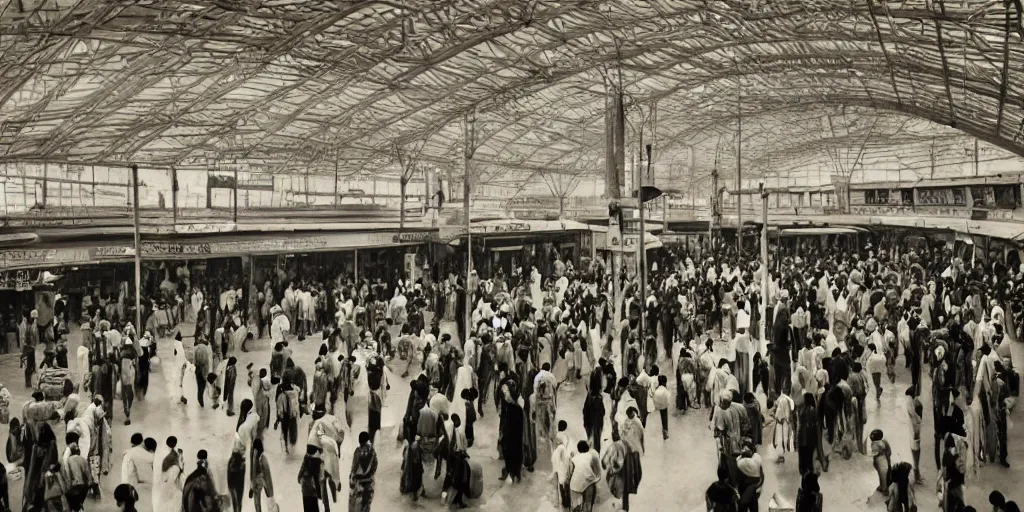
<point>1004,76</point>
<point>945,64</point>
<point>881,44</point>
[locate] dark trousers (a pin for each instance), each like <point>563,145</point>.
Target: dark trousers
<point>805,456</point>
<point>915,375</point>
<point>236,488</point>
<point>595,436</point>
<point>127,398</point>
<point>201,386</point>
<point>373,423</point>
<point>310,504</point>
<point>485,386</point>
<point>664,421</point>
<point>782,371</point>
<point>1001,425</point>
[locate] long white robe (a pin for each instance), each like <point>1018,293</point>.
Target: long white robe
<point>561,285</point>
<point>82,360</point>
<point>80,426</point>
<point>463,380</point>
<point>166,487</point>
<point>536,295</point>
<point>179,365</point>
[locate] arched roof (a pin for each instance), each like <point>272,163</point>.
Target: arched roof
<point>295,85</point>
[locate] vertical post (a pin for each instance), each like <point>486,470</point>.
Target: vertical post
<point>739,173</point>
<point>337,157</point>
<point>975,156</point>
<point>715,207</point>
<point>234,200</point>
<point>174,196</point>
<point>615,168</point>
<point>664,213</point>
<point>642,245</point>
<point>46,178</point>
<point>92,168</point>
<point>402,183</point>
<point>469,138</point>
<point>764,265</point>
<point>355,265</point>
<point>138,250</point>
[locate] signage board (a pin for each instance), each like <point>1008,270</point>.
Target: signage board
<point>287,244</point>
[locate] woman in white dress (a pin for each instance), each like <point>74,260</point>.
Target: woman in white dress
<point>397,308</point>
<point>80,427</point>
<point>465,378</point>
<point>168,479</point>
<point>536,293</point>
<point>179,366</point>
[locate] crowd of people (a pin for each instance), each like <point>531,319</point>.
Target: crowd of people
<point>835,326</point>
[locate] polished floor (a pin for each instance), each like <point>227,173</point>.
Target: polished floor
<point>675,471</point>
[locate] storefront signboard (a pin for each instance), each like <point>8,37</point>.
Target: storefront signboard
<point>510,227</point>
<point>27,258</point>
<point>413,238</point>
<point>286,245</point>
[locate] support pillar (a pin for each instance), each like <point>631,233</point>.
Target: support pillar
<point>739,175</point>
<point>234,199</point>
<point>469,139</point>
<point>174,196</point>
<point>615,168</point>
<point>355,266</point>
<point>762,347</point>
<point>138,253</point>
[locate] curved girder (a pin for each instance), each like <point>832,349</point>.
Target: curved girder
<point>311,79</point>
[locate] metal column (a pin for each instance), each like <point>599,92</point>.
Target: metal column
<point>469,139</point>
<point>615,168</point>
<point>764,265</point>
<point>739,174</point>
<point>138,252</point>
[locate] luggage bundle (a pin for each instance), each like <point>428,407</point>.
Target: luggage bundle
<point>51,382</point>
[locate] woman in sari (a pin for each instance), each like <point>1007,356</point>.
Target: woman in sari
<point>15,443</point>
<point>901,492</point>
<point>261,400</point>
<point>168,480</point>
<point>451,303</point>
<point>42,456</point>
<point>512,429</point>
<point>633,439</point>
<point>808,435</point>
<point>750,478</point>
<point>260,479</point>
<point>613,460</point>
<point>881,455</point>
<point>102,445</point>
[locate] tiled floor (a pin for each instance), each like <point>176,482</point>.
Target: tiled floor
<point>675,472</point>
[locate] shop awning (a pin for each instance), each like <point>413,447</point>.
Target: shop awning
<point>820,231</point>
<point>506,228</point>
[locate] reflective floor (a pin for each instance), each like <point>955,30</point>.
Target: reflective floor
<point>675,471</point>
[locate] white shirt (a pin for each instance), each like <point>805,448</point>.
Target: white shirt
<point>279,327</point>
